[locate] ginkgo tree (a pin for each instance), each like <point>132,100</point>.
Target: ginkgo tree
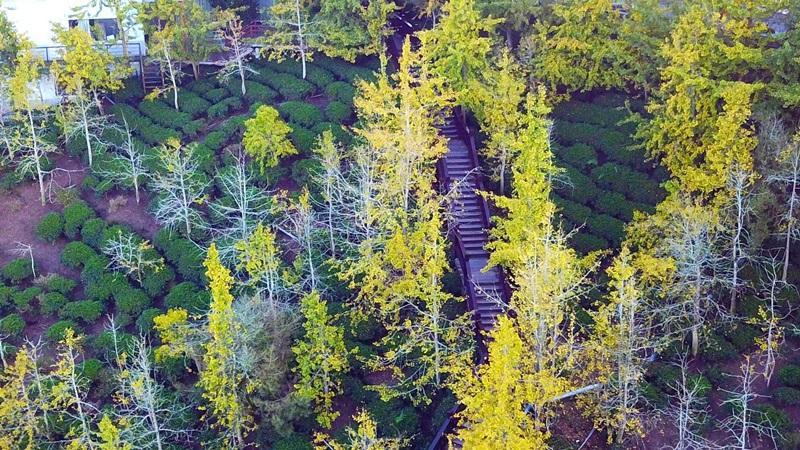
<point>181,187</point>
<point>501,95</point>
<point>321,358</point>
<point>220,380</point>
<point>266,138</point>
<point>87,71</point>
<point>457,48</point>
<point>28,140</point>
<point>701,127</point>
<point>495,397</point>
<point>577,48</point>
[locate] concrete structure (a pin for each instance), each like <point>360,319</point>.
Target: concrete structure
<point>35,19</point>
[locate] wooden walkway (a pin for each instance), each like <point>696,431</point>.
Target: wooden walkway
<point>459,172</point>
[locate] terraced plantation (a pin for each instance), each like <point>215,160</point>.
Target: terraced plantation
<point>606,178</point>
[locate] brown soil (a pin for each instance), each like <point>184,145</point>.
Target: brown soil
<point>21,211</point>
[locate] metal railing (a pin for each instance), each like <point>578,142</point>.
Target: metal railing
<point>50,53</point>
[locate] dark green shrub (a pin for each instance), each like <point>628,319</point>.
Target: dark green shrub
<point>155,282</point>
<point>338,112</point>
<point>22,299</point>
<point>787,396</point>
<point>233,126</point>
<point>62,285</point>
<point>742,336</point>
<point>215,141</point>
<point>578,111</point>
<point>205,157</point>
<point>92,233</point>
<point>215,95</point>
<point>96,185</point>
<point>665,376</point>
<point>145,321</point>
<point>76,253</point>
<point>290,87</point>
<point>56,331</point>
<point>580,156</point>
<point>131,301</point>
<point>75,214</point>
<point>770,416</point>
<point>790,375</point>
<point>5,295</point>
<point>607,227</point>
<point>52,302</point>
<point>715,375</point>
<point>585,242</point>
<point>50,227</point>
<point>103,343</point>
<point>652,394</point>
<point>219,109</point>
<point>715,348</point>
<point>87,311</point>
<point>188,296</point>
<point>341,91</point>
<point>101,289</point>
<point>634,185</point>
<point>89,369</point>
<point>576,186</point>
<point>200,86</point>
<point>394,418</point>
<point>304,170</point>
<point>293,442</point>
<point>131,90</point>
<point>192,128</point>
<point>344,70</point>
<point>10,180</point>
<point>318,76</point>
<point>183,254</point>
<point>192,104</point>
<point>12,325</point>
<point>164,115</point>
<point>614,204</point>
<point>258,93</point>
<point>568,133</point>
<point>304,140</point>
<point>574,212</point>
<point>94,268</point>
<point>339,133</point>
<point>700,382</point>
<point>157,135</point>
<point>300,113</point>
<point>17,270</point>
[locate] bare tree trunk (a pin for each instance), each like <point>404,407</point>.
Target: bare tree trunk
<point>86,133</point>
<point>37,156</point>
<point>300,37</point>
<point>789,231</point>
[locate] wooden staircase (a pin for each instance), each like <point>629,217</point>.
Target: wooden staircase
<point>152,77</point>
<point>459,171</point>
